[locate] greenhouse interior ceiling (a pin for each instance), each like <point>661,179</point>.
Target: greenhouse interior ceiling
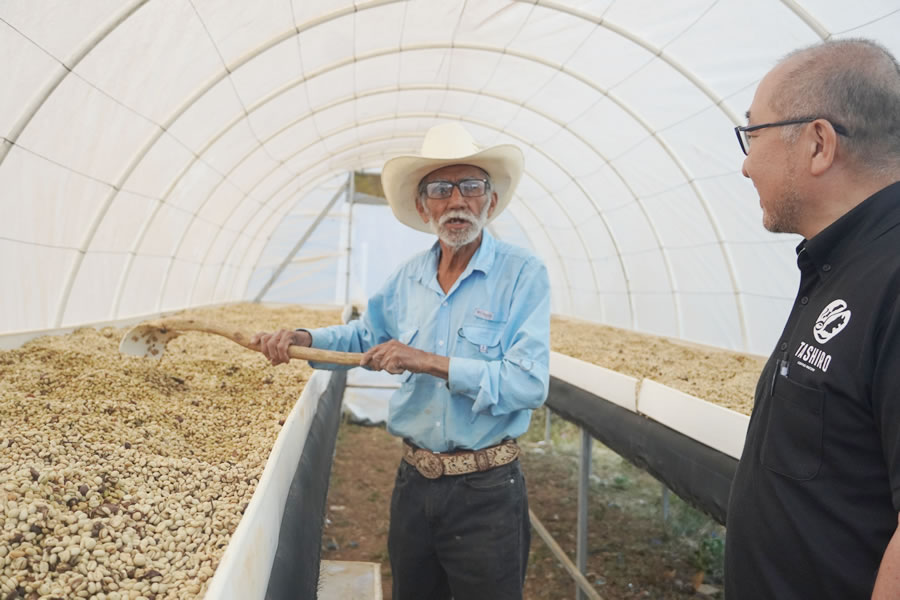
<point>164,154</point>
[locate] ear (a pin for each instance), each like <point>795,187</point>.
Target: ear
<point>421,209</point>
<point>823,146</point>
<point>493,204</point>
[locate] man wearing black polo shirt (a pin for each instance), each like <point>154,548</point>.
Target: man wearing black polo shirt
<point>814,504</point>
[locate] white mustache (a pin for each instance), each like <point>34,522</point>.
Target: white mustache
<point>463,215</point>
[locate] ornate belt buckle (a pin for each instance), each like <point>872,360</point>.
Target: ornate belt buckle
<point>482,460</point>
<point>429,465</point>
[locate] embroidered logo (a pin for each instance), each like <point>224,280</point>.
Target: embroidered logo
<point>484,314</point>
<point>831,321</point>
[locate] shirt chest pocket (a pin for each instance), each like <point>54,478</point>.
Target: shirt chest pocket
<point>793,441</point>
<point>480,340</point>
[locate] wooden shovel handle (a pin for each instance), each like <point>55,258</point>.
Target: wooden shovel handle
<point>242,338</point>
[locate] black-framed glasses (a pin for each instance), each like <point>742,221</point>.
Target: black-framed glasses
<point>468,188</point>
<point>744,139</point>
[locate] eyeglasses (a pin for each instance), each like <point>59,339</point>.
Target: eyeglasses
<point>468,188</point>
<point>744,139</point>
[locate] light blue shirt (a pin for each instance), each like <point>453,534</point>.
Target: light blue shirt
<point>494,324</point>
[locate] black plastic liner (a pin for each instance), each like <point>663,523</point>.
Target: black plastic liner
<point>697,473</point>
<point>295,569</point>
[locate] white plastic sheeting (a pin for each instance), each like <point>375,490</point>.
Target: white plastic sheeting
<point>160,154</point>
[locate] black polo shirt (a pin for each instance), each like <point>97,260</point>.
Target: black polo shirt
<point>816,495</point>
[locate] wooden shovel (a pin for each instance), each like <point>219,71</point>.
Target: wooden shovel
<point>149,340</point>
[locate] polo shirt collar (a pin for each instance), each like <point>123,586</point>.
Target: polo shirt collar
<point>854,230</point>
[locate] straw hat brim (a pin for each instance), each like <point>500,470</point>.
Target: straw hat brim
<point>401,175</point>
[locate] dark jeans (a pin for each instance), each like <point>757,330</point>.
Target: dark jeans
<point>461,536</point>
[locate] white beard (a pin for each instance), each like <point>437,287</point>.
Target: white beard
<point>458,239</point>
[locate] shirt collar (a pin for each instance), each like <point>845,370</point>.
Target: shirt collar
<point>482,260</point>
<point>855,229</point>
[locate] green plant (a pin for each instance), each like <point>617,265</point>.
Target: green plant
<point>709,554</point>
<point>620,482</point>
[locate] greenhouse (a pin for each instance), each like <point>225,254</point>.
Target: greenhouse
<point>220,161</point>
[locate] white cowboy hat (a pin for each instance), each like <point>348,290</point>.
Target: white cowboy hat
<point>448,144</point>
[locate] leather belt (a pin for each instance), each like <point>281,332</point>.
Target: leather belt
<point>434,464</point>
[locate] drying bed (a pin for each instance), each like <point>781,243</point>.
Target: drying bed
<point>723,377</point>
<point>123,477</point>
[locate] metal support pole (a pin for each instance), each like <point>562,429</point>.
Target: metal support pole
<point>584,474</point>
<point>547,414</point>
<point>665,504</point>
<point>351,192</point>
<point>290,256</point>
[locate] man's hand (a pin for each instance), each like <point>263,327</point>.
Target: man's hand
<point>274,346</point>
<point>395,358</point>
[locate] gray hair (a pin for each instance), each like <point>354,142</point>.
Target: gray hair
<point>852,82</point>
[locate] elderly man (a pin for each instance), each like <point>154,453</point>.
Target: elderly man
<point>467,324</point>
<point>814,503</point>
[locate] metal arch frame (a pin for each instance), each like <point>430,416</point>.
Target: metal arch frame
<point>318,178</point>
<point>315,180</point>
<point>264,224</point>
<point>807,18</point>
<point>660,53</point>
<point>717,102</point>
<point>463,90</point>
<point>417,136</point>
<point>290,255</point>
<point>127,13</point>
<point>345,62</point>
<point>562,126</point>
<point>531,237</point>
<point>83,51</point>
<point>613,98</point>
<point>265,100</point>
<point>524,142</point>
<point>66,67</point>
<point>794,7</point>
<point>244,116</point>
<point>210,84</point>
<point>663,251</point>
<point>129,261</point>
<point>303,187</point>
<point>791,5</point>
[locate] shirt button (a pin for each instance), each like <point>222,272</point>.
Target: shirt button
<point>444,303</point>
<point>440,342</point>
<point>804,300</point>
<point>783,345</point>
<point>826,268</point>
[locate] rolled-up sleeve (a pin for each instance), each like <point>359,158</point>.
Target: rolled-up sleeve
<point>519,380</point>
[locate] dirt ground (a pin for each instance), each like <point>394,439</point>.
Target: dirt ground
<point>633,552</point>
